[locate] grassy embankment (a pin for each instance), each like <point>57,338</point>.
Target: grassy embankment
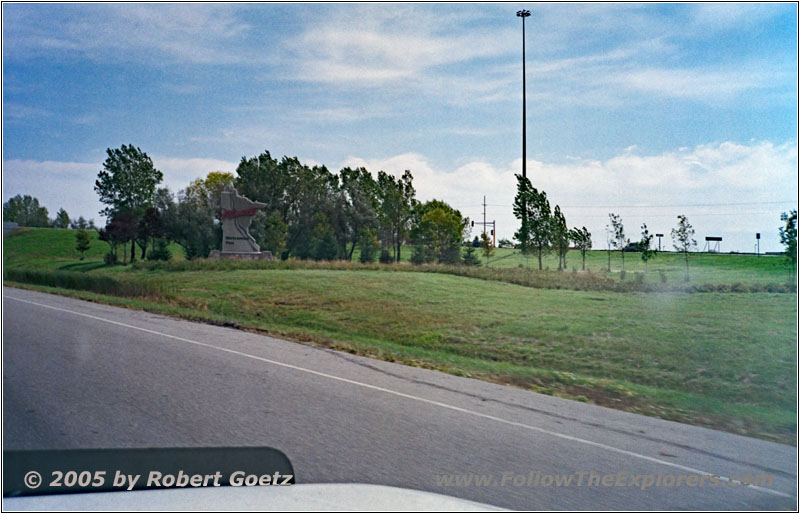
<point>724,360</point>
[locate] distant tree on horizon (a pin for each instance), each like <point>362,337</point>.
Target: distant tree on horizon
<point>683,241</point>
<point>645,246</point>
<point>61,220</point>
<point>26,212</point>
<point>788,235</point>
<point>617,237</point>
<point>583,240</point>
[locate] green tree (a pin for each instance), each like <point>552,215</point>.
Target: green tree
<point>682,240</point>
<point>360,202</point>
<point>79,223</point>
<point>270,232</point>
<point>560,237</point>
<point>127,182</point>
<point>61,220</point>
<point>470,259</point>
<point>532,208</point>
<point>581,238</point>
<point>263,179</point>
<point>206,191</point>
<point>486,247</point>
<point>148,230</point>
<point>396,202</point>
<point>189,222</point>
<point>368,245</point>
<point>83,240</point>
<point>439,228</point>
<point>120,230</point>
<point>645,246</point>
<point>788,234</point>
<point>523,235</point>
<point>25,211</point>
<point>617,240</point>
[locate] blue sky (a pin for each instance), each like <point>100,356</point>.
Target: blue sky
<point>647,110</point>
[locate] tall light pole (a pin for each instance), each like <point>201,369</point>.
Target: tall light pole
<point>523,14</point>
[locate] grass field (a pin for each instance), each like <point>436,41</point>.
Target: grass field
<point>724,360</point>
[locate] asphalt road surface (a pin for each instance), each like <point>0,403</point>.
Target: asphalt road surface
<point>83,375</point>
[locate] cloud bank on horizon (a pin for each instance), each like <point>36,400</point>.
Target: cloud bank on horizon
<point>648,110</point>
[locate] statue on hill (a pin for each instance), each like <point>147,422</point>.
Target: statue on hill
<point>237,213</point>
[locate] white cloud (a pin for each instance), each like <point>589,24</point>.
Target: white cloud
<point>692,83</point>
<point>71,184</point>
<point>362,46</point>
<point>56,184</point>
<point>17,111</point>
<point>727,16</point>
<point>141,32</point>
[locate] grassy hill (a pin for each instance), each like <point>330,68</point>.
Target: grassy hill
<point>724,360</point>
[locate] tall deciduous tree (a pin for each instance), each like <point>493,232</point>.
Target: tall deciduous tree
<point>532,208</point>
<point>581,238</point>
<point>190,223</point>
<point>617,231</point>
<point>127,182</point>
<point>439,228</point>
<point>120,230</point>
<point>396,198</point>
<point>560,237</point>
<point>149,229</point>
<point>788,234</point>
<point>683,241</point>
<point>645,246</point>
<point>360,192</point>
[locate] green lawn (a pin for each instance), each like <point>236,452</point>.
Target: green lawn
<point>724,360</point>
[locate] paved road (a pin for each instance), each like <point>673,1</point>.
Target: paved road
<point>80,375</point>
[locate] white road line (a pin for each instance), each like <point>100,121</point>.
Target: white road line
<point>412,397</point>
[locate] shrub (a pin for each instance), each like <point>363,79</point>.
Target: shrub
<point>469,258</point>
<point>421,254</point>
<point>386,257</point>
<point>161,252</point>
<point>368,245</point>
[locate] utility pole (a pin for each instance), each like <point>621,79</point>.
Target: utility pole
<point>486,223</point>
<point>484,214</point>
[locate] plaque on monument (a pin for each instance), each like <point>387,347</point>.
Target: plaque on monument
<point>237,213</point>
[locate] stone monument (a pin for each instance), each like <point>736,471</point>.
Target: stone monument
<point>237,213</point>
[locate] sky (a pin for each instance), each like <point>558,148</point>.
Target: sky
<point>645,110</point>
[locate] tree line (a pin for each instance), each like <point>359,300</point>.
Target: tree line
<point>543,230</point>
<point>26,211</point>
<point>311,213</point>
